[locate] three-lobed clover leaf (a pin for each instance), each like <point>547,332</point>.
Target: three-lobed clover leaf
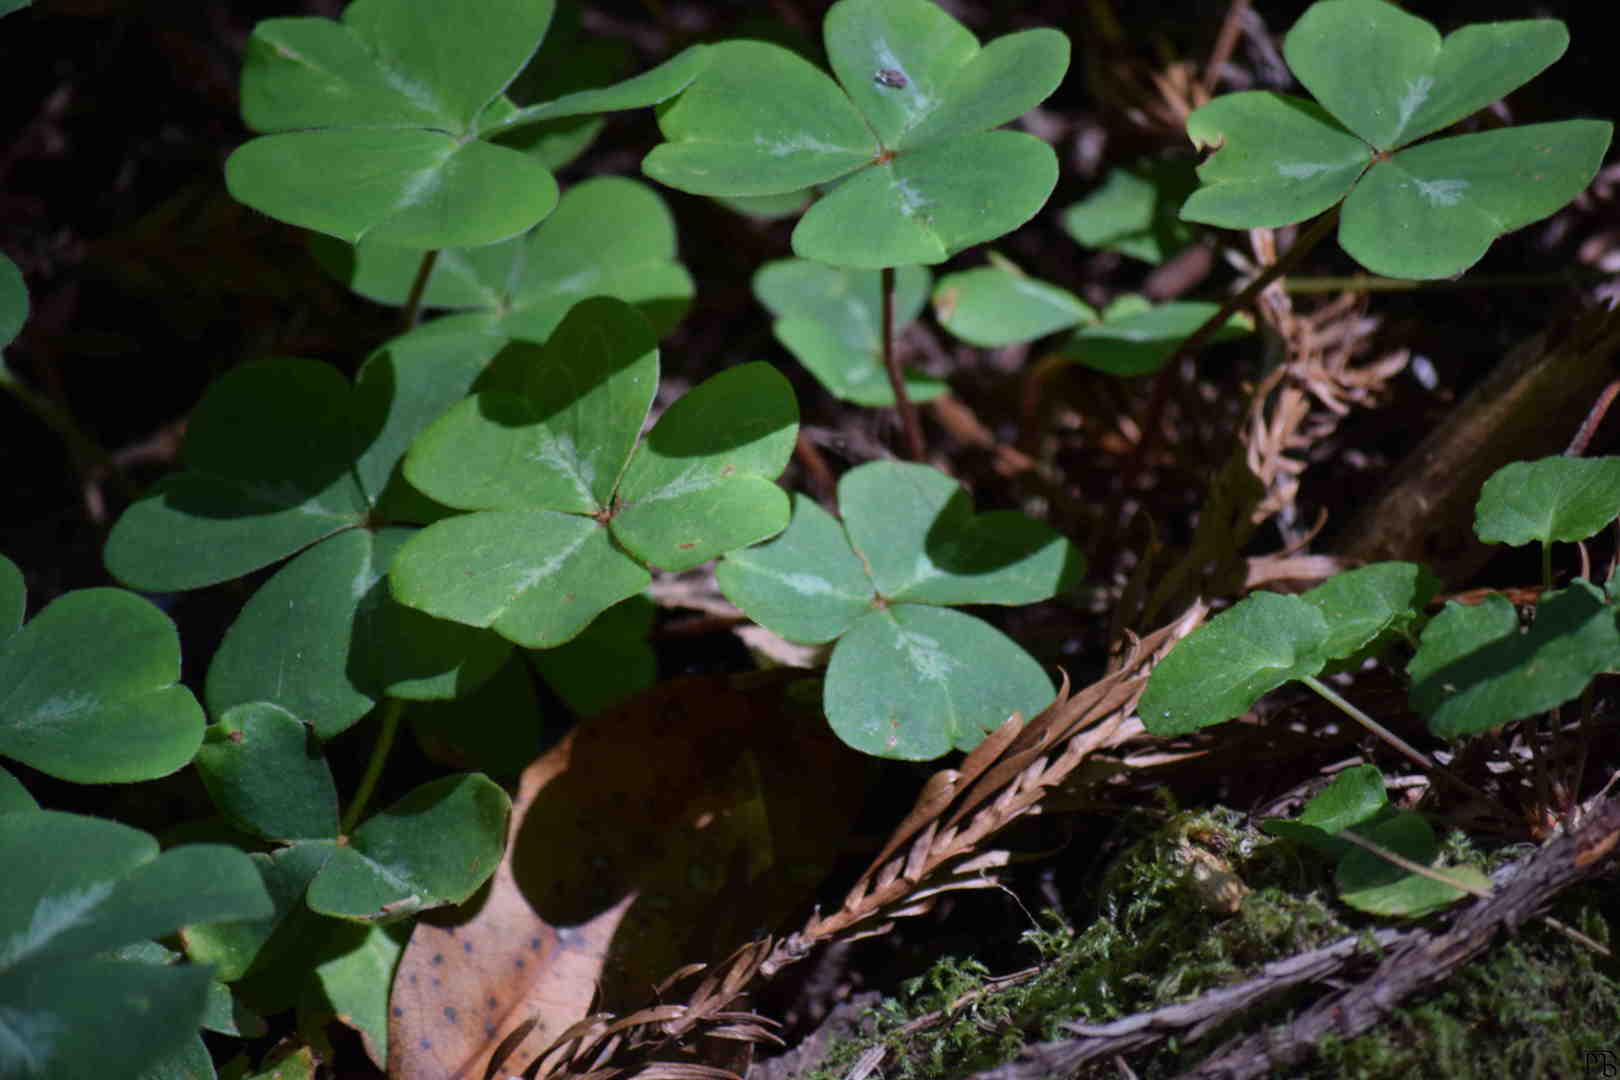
<point>1384,79</point>
<point>831,319</point>
<point>286,457</point>
<point>909,678</point>
<point>608,236</point>
<point>905,131</point>
<point>568,504</point>
<point>75,893</point>
<point>1267,639</point>
<point>380,125</point>
<point>109,714</point>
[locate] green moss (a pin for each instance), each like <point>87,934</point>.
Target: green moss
<point>1532,1007</point>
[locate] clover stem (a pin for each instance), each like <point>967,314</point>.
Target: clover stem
<point>1418,756</point>
<point>891,363</point>
<point>413,301</point>
<point>389,715</point>
<point>1546,564</point>
<point>1154,414</point>
<point>88,454</point>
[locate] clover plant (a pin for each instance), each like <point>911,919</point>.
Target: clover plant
<point>1384,79</point>
<point>382,126</point>
<point>909,677</point>
<point>493,489</point>
<point>568,509</point>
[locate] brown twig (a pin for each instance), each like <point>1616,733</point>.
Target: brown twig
<point>1153,415</point>
<point>1225,42</point>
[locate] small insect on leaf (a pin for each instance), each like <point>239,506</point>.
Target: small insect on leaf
<point>891,78</point>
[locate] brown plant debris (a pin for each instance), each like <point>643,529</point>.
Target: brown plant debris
<point>942,845</point>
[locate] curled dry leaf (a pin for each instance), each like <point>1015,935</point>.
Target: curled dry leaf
<point>669,828</point>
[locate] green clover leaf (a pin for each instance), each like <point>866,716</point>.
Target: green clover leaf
<point>1384,79</point>
<point>904,131</point>
<point>568,503</point>
<point>908,678</point>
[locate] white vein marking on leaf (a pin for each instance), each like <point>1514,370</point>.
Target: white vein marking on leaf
<point>53,711</point>
<point>1417,92</point>
<point>1305,170</point>
<point>557,450</point>
<point>808,584</point>
<point>691,479</point>
<point>796,144</point>
<point>29,1037</point>
<point>912,201</point>
<point>927,658</point>
<point>1441,192</point>
<point>578,282</point>
<point>53,916</point>
<point>533,577</point>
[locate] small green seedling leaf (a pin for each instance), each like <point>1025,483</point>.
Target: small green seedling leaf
<point>831,319</point>
<point>1133,340</point>
<point>435,846</point>
<point>1371,883</point>
<point>264,769</point>
<point>1355,797</point>
<point>546,457</point>
<point>73,891</point>
<point>906,127</point>
<point>1556,498</point>
<point>1221,669</point>
<point>113,713</point>
<point>1475,670</point>
<point>999,305</point>
<point>914,682</point>
<point>1423,211</point>
<point>909,541</point>
<point>1136,211</point>
<point>13,302</point>
<point>523,287</point>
